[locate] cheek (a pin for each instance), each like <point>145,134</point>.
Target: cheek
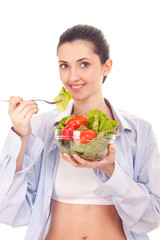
<point>95,73</point>
<point>63,76</point>
<point>89,76</point>
<point>96,78</point>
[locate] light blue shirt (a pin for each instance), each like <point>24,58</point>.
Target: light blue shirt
<point>25,197</point>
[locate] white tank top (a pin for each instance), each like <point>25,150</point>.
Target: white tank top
<point>76,185</point>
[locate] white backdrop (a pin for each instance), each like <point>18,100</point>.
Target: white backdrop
<point>29,32</point>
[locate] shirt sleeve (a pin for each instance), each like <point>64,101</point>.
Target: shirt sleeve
<point>137,200</point>
<point>16,193</point>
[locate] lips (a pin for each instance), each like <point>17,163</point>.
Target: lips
<point>76,88</point>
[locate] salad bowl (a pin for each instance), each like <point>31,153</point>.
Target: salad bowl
<point>78,143</point>
<point>88,137</point>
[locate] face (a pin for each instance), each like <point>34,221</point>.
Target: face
<point>80,69</point>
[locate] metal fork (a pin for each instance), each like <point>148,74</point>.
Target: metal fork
<point>37,100</point>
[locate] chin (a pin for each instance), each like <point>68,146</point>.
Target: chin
<point>76,98</point>
<point>79,97</point>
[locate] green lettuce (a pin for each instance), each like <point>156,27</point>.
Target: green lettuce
<point>65,98</point>
<point>62,122</point>
<point>99,122</point>
<point>93,150</point>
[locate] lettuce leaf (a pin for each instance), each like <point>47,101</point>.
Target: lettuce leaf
<point>98,121</point>
<point>65,98</point>
<point>62,122</point>
<point>93,150</point>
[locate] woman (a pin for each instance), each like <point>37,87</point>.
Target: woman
<point>117,198</point>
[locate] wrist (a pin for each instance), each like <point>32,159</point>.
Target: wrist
<point>23,137</point>
<point>109,170</point>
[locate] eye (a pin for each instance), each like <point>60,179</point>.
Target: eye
<point>63,66</point>
<point>84,64</point>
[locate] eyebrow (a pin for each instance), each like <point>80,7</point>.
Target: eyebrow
<point>79,60</point>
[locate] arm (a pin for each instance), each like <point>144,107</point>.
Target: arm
<point>137,199</point>
<point>17,188</point>
<point>21,113</point>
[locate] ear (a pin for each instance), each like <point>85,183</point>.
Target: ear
<point>107,67</point>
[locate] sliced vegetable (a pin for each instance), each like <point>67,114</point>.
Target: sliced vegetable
<point>77,121</point>
<point>62,122</point>
<point>67,133</point>
<point>87,135</point>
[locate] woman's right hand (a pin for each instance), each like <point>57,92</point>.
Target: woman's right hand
<point>21,112</point>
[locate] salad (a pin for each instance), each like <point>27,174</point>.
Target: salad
<point>87,137</point>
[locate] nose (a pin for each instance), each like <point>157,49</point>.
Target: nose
<point>74,74</point>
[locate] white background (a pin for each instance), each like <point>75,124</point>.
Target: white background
<point>29,32</point>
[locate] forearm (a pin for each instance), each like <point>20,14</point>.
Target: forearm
<point>14,191</point>
<point>21,155</point>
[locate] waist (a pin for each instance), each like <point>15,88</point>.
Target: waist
<point>79,221</point>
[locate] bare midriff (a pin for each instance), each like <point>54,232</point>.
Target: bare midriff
<point>84,222</point>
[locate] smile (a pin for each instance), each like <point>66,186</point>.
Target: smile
<point>76,88</point>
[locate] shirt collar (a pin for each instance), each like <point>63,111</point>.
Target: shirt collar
<point>123,124</point>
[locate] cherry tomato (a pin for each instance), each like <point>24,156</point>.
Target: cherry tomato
<point>87,135</point>
<point>77,121</point>
<point>67,133</point>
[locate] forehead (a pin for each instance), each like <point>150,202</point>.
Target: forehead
<point>76,49</point>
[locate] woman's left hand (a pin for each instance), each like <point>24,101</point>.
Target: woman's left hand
<point>107,163</point>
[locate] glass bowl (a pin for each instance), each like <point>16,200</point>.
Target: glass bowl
<point>94,149</point>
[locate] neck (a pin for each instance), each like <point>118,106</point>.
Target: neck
<point>83,107</point>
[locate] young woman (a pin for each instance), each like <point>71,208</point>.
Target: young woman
<point>61,198</point>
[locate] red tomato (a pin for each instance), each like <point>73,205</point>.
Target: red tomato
<point>77,121</point>
<point>87,135</point>
<point>67,133</point>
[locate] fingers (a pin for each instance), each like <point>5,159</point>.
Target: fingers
<point>111,150</point>
<point>105,163</point>
<point>14,102</point>
<point>86,163</point>
<point>30,113</point>
<point>25,107</point>
<point>68,158</point>
<point>79,162</point>
<point>21,112</point>
<point>18,106</point>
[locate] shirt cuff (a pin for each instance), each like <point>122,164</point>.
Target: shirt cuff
<point>12,144</point>
<point>34,148</point>
<point>120,186</point>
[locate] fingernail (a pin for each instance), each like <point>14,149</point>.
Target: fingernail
<point>66,155</point>
<point>111,148</point>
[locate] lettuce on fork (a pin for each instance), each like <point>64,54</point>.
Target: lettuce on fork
<point>65,98</point>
